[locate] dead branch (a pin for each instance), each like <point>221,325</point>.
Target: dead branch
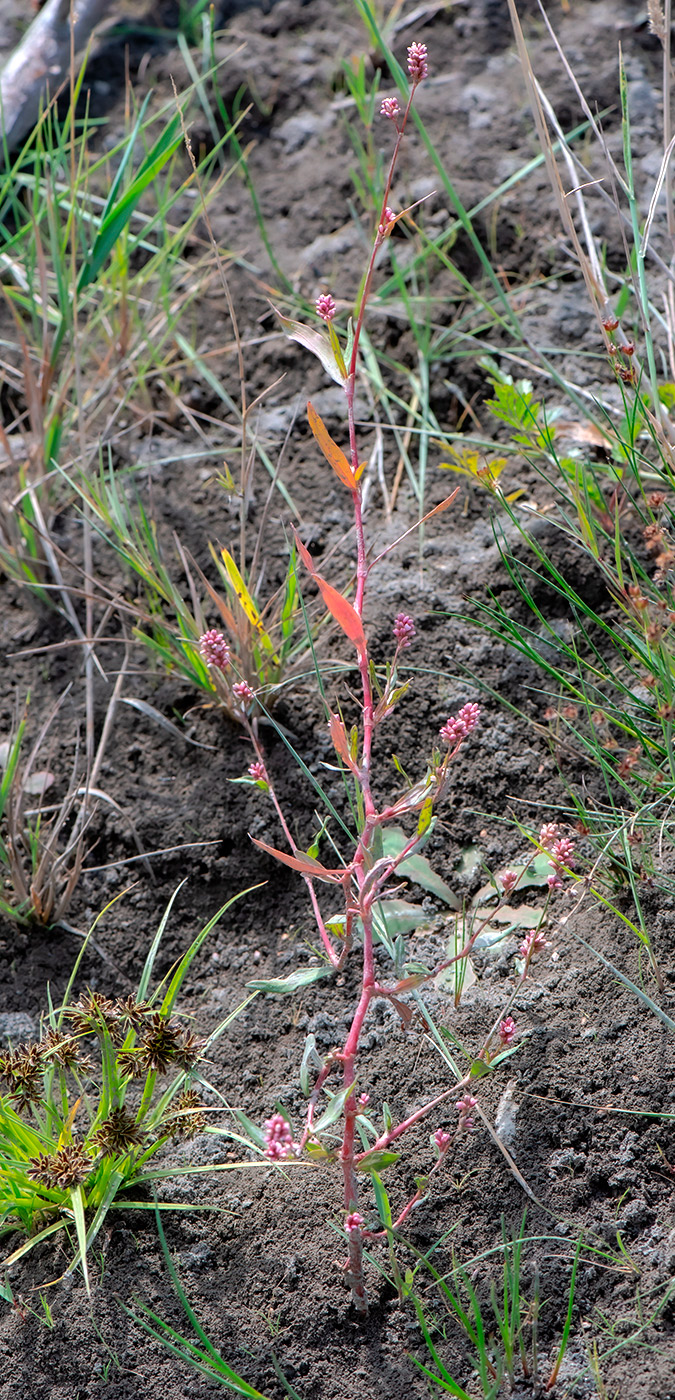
<point>41,61</point>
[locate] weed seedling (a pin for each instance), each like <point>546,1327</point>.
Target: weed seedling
<point>384,852</point>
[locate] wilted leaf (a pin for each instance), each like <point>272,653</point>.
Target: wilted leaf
<point>315,342</point>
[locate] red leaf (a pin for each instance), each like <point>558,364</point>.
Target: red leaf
<point>304,864</point>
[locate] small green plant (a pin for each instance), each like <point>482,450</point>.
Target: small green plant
<point>42,847</point>
<point>504,1336</point>
<point>200,1354</point>
<point>265,644</point>
<point>85,1109</point>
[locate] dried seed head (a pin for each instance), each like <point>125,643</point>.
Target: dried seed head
<point>118,1133</point>
<point>22,1070</point>
<point>96,1014</point>
<point>62,1170</point>
<point>657,21</point>
<point>189,1119</point>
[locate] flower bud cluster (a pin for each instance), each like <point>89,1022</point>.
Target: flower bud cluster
<point>458,726</point>
<point>279,1142</point>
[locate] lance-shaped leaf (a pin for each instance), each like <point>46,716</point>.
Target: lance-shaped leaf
<point>335,1108</point>
<point>284,986</point>
<point>304,864</point>
<point>338,606</point>
<point>316,343</point>
<point>333,454</point>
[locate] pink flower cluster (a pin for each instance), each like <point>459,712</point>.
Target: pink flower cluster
<point>442,1141</point>
<point>279,1142</point>
<point>458,726</point>
<point>389,108</point>
<point>243,692</point>
<point>464,1107</point>
<point>417,62</point>
<point>325,307</point>
<point>509,881</point>
<point>404,630</point>
<point>561,851</point>
<point>354,1221</point>
<point>215,650</point>
<point>533,942</point>
<point>507,1030</point>
<point>258,771</point>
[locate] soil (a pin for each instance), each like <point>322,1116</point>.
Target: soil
<point>594,1134</point>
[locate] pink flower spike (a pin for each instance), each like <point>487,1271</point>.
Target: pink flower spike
<point>389,215</point>
<point>548,834</point>
<point>354,1221</point>
<point>442,1141</point>
<point>553,881</point>
<point>325,307</point>
<point>215,650</point>
<point>507,1030</point>
<point>404,630</point>
<point>464,1107</point>
<point>279,1142</point>
<point>562,852</point>
<point>509,881</point>
<point>458,726</point>
<point>364,1100</point>
<point>417,63</point>
<point>390,108</point>
<point>533,942</point>
<point>258,771</point>
<point>243,692</point>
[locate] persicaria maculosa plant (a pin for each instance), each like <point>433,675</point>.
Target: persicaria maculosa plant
<point>370,877</point>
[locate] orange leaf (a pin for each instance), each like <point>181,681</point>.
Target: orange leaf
<point>333,454</point>
<point>306,865</point>
<point>305,555</point>
<point>343,612</point>
<point>338,607</point>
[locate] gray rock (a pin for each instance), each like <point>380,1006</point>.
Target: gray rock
<point>17,1026</point>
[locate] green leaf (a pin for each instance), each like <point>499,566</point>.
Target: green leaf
<point>479,1069</point>
<point>377,1160</point>
<point>382,1201</point>
<point>396,916</point>
<point>334,1109</point>
<point>310,1057</point>
<point>417,867</point>
<point>283,986</point>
